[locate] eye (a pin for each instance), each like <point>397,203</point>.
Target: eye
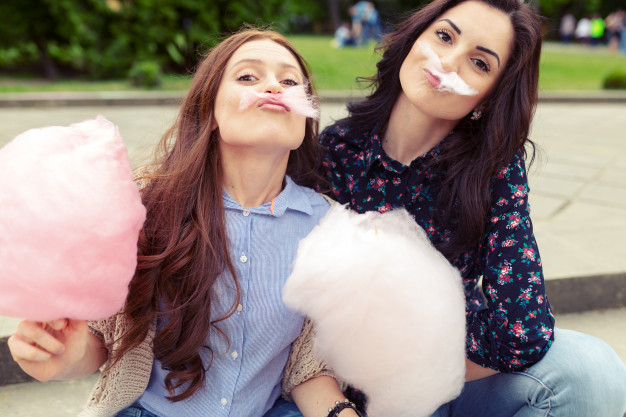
<point>481,64</point>
<point>444,35</point>
<point>246,78</point>
<point>290,82</point>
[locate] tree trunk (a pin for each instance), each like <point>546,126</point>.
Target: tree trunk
<point>333,9</point>
<point>49,68</point>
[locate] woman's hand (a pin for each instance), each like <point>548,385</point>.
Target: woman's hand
<point>59,349</point>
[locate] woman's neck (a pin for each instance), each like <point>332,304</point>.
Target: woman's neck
<point>251,177</point>
<point>410,133</point>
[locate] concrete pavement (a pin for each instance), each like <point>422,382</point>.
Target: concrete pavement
<point>578,195</point>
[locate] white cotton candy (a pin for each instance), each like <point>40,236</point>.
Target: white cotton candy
<point>295,98</point>
<point>450,81</point>
<point>388,309</point>
<point>70,216</point>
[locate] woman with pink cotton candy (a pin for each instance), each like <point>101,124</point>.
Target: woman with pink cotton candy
<point>204,330</point>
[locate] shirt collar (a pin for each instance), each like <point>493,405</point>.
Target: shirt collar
<point>292,197</point>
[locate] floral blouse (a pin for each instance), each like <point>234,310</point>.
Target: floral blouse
<point>509,324</point>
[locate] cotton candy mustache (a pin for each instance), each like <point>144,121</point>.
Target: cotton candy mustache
<point>449,81</point>
<point>294,99</point>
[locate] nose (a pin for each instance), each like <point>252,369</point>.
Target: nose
<point>450,61</point>
<point>273,86</point>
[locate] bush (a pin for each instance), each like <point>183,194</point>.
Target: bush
<point>615,80</point>
<point>145,74</point>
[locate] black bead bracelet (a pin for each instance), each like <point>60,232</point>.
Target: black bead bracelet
<point>342,405</point>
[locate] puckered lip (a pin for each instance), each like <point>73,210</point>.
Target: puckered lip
<point>272,104</point>
<point>433,80</point>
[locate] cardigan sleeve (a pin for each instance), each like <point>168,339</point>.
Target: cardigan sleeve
<point>302,364</point>
<point>121,382</point>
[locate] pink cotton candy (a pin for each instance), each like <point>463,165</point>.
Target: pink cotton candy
<point>295,98</point>
<point>69,222</point>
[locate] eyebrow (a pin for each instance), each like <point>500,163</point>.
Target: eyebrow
<point>260,61</point>
<point>489,51</point>
<point>451,23</point>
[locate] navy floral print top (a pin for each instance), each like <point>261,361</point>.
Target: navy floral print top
<point>509,323</point>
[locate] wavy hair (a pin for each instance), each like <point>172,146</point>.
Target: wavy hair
<point>477,149</point>
<point>183,246</point>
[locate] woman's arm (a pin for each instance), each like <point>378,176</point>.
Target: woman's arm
<point>516,329</point>
<point>474,371</point>
<point>60,349</point>
<point>315,396</point>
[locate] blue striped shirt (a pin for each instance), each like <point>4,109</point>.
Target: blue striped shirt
<point>245,375</point>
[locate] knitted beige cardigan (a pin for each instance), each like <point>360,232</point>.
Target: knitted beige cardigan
<point>121,384</point>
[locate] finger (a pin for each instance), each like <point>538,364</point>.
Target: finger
<point>58,325</point>
<point>21,350</point>
<point>34,334</point>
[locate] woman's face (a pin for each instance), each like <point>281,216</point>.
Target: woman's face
<point>259,66</point>
<point>473,40</point>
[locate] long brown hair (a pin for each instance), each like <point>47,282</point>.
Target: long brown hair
<point>183,246</point>
<point>472,155</point>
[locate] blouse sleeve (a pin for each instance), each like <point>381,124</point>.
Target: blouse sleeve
<point>516,328</point>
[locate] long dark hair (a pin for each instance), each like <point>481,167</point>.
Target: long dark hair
<point>183,246</point>
<point>477,149</point>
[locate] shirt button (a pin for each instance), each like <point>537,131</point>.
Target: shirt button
<point>239,307</point>
<point>246,213</point>
<point>224,401</point>
<point>234,354</point>
<point>243,258</point>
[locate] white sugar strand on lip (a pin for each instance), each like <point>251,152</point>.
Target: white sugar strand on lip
<point>249,97</point>
<point>450,81</point>
<point>300,102</point>
<point>295,98</point>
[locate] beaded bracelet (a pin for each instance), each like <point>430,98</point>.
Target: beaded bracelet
<point>342,405</point>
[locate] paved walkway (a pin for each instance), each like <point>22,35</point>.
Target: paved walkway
<point>578,195</point>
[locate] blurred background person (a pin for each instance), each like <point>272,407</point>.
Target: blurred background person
<point>583,30</point>
<point>597,29</point>
<point>366,23</point>
<point>344,36</point>
<point>567,27</point>
<point>614,24</point>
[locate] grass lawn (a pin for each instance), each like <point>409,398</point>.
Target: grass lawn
<point>577,67</point>
<point>562,68</point>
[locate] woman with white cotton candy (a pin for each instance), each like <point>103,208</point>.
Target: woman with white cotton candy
<point>204,331</point>
<point>444,135</point>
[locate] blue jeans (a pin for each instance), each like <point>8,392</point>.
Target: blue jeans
<point>580,376</point>
<point>135,410</point>
<point>283,408</point>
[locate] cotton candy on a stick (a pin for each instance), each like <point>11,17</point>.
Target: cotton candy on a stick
<point>388,309</point>
<point>70,216</point>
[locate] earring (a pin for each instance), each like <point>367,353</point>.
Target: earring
<point>476,114</point>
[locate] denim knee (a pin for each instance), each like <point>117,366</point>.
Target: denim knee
<point>586,375</point>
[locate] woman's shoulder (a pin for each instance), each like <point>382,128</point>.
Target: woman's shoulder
<point>514,171</point>
<point>342,132</point>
